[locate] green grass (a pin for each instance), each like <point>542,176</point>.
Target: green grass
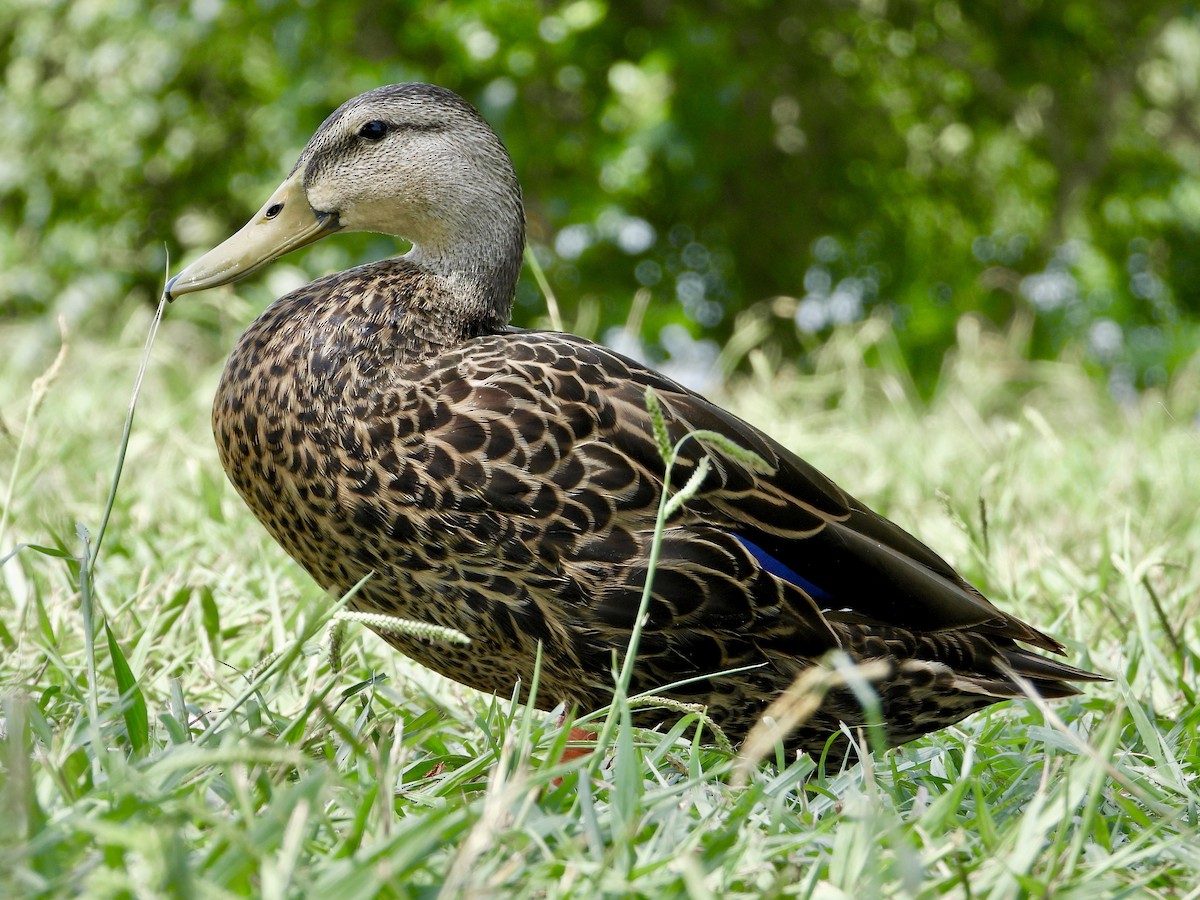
<point>184,766</point>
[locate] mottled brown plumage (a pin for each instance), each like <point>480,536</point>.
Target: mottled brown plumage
<point>385,421</point>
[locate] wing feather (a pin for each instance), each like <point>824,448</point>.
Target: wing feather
<point>580,414</point>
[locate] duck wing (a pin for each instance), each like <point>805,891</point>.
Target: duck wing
<point>578,411</point>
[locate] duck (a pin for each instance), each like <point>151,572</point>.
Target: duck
<point>389,427</point>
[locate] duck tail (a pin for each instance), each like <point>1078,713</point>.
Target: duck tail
<point>1019,671</point>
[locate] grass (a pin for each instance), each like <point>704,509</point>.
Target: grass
<point>172,725</point>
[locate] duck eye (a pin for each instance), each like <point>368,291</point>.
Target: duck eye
<point>274,209</point>
<point>373,130</point>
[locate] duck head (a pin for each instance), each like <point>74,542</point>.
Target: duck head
<point>411,160</point>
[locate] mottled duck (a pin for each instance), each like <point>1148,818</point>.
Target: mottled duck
<point>387,421</point>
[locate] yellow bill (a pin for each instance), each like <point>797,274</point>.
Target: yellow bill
<point>285,223</point>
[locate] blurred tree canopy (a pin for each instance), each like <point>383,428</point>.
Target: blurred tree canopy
<point>720,166</point>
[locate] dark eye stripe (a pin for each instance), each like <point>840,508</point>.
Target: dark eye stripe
<point>423,126</point>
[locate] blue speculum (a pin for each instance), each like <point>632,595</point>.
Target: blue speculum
<point>786,572</point>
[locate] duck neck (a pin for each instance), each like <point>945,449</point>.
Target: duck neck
<point>478,263</point>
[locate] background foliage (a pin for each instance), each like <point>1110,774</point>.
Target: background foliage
<point>798,163</point>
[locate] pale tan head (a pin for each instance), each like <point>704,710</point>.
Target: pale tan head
<point>411,160</point>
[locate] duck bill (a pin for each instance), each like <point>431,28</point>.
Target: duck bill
<point>285,223</point>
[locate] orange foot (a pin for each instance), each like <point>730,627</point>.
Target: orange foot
<point>577,735</point>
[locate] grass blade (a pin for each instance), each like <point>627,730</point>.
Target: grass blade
<point>137,720</point>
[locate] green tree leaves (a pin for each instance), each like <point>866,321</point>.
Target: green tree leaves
<point>813,162</point>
